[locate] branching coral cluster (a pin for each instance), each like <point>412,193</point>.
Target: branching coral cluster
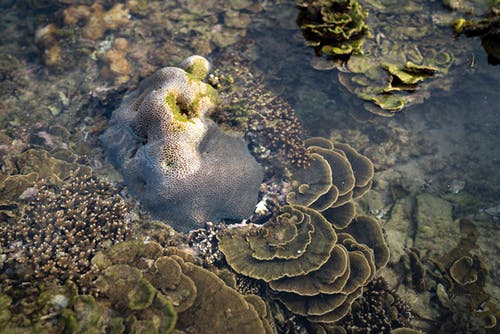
<point>271,127</point>
<point>275,127</point>
<point>378,310</point>
<point>63,227</point>
<point>204,242</point>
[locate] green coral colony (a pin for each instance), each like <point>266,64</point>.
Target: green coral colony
<point>335,27</point>
<point>387,65</point>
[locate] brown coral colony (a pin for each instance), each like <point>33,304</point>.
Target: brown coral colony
<point>316,256</point>
<point>63,227</point>
<point>272,129</point>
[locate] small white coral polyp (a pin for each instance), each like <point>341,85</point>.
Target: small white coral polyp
<point>181,165</point>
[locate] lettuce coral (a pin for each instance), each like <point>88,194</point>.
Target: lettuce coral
<point>316,256</point>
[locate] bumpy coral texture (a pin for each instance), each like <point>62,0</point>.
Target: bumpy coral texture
<point>174,157</point>
<point>62,228</point>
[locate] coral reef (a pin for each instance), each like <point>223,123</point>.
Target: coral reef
<point>404,330</point>
<point>45,39</point>
<point>136,287</point>
<point>433,217</point>
<point>118,66</point>
<point>337,174</point>
<point>182,166</point>
<point>75,34</point>
<point>458,280</point>
<point>62,228</point>
<point>55,309</point>
<point>314,262</point>
<point>64,44</point>
<point>333,27</point>
<point>455,282</point>
<point>391,68</point>
<point>22,170</point>
<point>61,101</point>
<point>385,82</point>
<point>204,241</point>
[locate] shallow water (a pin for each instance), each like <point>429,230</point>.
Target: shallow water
<point>458,122</point>
<point>445,146</point>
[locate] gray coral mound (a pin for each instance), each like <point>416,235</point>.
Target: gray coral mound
<point>181,165</point>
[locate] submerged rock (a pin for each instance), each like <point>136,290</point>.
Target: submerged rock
<point>399,227</point>
<point>182,166</point>
<point>436,229</point>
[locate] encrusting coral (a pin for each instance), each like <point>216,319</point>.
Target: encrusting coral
<point>51,308</point>
<point>118,66</point>
<point>137,287</point>
<point>182,166</point>
<point>202,301</point>
<point>316,261</point>
<point>62,228</point>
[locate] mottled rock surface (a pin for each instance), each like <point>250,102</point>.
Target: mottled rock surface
<point>435,225</point>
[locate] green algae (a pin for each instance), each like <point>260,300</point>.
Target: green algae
<point>198,69</point>
<point>180,116</point>
<point>198,102</point>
